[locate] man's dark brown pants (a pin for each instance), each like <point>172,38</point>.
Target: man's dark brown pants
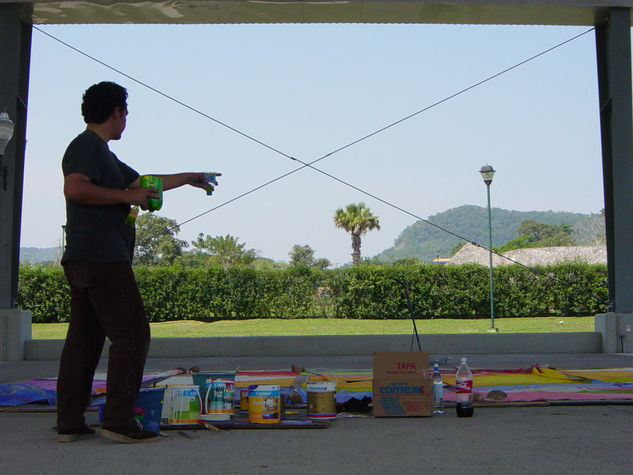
<point>104,301</point>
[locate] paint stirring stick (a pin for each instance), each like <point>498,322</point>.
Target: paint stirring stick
<point>211,427</point>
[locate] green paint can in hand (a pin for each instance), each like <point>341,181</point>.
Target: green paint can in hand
<point>131,217</point>
<point>153,183</point>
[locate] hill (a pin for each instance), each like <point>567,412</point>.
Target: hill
<point>426,242</point>
<point>35,255</point>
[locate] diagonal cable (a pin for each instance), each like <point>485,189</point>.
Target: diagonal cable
<point>350,144</point>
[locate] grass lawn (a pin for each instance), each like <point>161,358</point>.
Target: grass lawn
<point>339,326</point>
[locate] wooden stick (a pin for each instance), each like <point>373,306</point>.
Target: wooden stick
<point>211,427</point>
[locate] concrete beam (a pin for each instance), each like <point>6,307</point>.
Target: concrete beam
<point>348,345</point>
<point>490,12</point>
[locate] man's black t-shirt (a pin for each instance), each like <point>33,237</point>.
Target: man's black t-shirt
<point>97,233</point>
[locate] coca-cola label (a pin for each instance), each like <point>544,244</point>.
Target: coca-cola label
<point>464,386</point>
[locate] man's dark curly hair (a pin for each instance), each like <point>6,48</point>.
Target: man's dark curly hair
<point>100,100</point>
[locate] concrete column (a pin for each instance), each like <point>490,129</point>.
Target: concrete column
<point>613,49</point>
<point>15,52</point>
<point>15,329</point>
<point>617,331</point>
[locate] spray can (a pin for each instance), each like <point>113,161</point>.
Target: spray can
<point>153,183</point>
<point>211,180</point>
<point>130,220</point>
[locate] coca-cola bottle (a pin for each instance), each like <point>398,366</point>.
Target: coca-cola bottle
<point>464,385</point>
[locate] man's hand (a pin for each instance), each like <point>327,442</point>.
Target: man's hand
<point>199,180</point>
<point>139,196</point>
<point>179,179</point>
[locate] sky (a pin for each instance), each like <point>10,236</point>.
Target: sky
<point>307,90</point>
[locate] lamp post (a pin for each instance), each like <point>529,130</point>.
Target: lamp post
<point>487,172</point>
<point>6,132</point>
<point>200,238</point>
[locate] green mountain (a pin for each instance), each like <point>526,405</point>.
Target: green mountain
<point>425,241</point>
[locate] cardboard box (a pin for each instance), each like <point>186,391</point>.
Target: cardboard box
<point>402,384</point>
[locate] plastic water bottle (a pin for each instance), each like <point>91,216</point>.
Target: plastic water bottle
<point>464,386</point>
<point>438,390</point>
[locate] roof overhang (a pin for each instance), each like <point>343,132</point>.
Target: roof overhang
<point>511,12</point>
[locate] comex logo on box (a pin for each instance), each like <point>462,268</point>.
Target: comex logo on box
<point>401,388</point>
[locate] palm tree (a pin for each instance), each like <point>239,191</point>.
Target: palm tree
<point>356,219</point>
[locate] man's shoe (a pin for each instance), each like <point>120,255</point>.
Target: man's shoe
<point>73,435</point>
<point>135,435</point>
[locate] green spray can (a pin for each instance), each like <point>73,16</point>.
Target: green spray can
<point>153,183</point>
<point>211,180</point>
<point>131,217</point>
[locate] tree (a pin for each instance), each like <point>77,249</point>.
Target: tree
<point>225,250</point>
<point>156,241</point>
<point>304,256</point>
<point>542,231</point>
<point>591,230</point>
<point>301,255</point>
<point>532,233</point>
<point>356,219</point>
<point>263,263</point>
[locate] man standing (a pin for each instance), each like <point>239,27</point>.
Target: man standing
<point>105,300</point>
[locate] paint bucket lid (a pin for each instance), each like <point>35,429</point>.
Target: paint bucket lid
<point>321,386</point>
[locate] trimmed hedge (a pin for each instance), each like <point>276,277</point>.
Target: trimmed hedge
<point>177,293</point>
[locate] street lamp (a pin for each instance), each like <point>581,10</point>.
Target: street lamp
<point>6,132</point>
<point>487,172</point>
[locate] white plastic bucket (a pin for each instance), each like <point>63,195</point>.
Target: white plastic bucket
<point>181,404</point>
<point>219,399</point>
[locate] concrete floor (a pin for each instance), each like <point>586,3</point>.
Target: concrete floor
<point>544,439</point>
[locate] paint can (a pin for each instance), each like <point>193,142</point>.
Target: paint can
<point>263,404</point>
<point>150,401</point>
<point>153,183</point>
<point>321,396</point>
<point>181,404</point>
<point>147,409</point>
<point>218,401</point>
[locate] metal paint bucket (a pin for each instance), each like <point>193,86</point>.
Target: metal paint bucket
<point>263,404</point>
<point>321,397</point>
